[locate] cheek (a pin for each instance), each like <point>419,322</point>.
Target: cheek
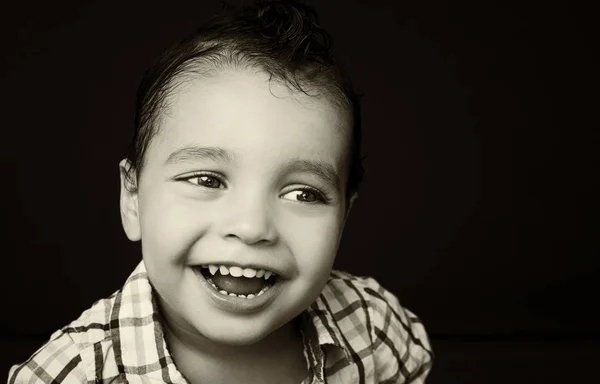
<point>314,244</point>
<point>169,227</point>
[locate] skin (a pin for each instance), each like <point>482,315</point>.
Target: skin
<point>251,208</point>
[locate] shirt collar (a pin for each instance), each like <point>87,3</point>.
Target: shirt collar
<point>137,334</point>
<point>321,334</point>
<point>140,342</point>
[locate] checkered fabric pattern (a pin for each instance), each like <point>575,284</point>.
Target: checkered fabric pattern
<point>355,332</point>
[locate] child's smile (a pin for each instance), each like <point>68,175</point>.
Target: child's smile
<point>241,205</point>
<point>235,289</point>
<point>245,282</point>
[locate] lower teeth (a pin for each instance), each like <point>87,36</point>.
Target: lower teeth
<point>249,296</point>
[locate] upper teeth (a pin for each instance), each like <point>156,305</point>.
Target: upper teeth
<point>238,272</point>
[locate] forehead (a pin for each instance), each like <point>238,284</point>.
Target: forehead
<point>250,115</point>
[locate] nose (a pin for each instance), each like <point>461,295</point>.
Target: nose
<point>250,221</point>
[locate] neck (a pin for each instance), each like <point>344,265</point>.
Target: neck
<point>271,345</point>
<point>272,359</point>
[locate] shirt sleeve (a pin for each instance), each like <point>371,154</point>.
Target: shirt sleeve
<point>59,360</point>
<point>402,351</point>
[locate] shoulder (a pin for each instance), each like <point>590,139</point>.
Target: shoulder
<point>399,343</point>
<point>70,353</point>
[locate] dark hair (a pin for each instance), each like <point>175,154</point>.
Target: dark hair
<point>281,38</point>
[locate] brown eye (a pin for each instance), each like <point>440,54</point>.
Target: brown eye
<point>206,181</point>
<point>304,196</point>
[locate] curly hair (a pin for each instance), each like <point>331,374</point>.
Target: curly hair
<point>281,38</point>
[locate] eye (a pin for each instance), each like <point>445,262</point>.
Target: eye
<point>205,180</point>
<point>305,195</point>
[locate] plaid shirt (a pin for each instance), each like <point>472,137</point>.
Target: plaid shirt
<point>360,327</point>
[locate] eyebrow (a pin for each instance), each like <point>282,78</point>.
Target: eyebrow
<point>323,170</point>
<point>190,154</point>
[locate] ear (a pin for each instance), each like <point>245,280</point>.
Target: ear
<point>129,202</point>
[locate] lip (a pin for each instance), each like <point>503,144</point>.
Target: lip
<point>239,304</point>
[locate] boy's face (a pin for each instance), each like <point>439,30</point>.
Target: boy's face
<point>235,177</point>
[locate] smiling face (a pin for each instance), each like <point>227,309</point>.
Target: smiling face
<point>242,172</point>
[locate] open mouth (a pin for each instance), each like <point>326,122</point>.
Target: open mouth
<point>246,283</point>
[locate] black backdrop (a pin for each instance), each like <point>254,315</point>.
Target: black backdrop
<point>478,211</point>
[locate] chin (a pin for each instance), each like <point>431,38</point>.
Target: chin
<point>236,337</point>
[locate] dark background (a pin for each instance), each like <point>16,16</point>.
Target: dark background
<point>479,209</point>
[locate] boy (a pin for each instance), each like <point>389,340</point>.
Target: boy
<point>244,166</point>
